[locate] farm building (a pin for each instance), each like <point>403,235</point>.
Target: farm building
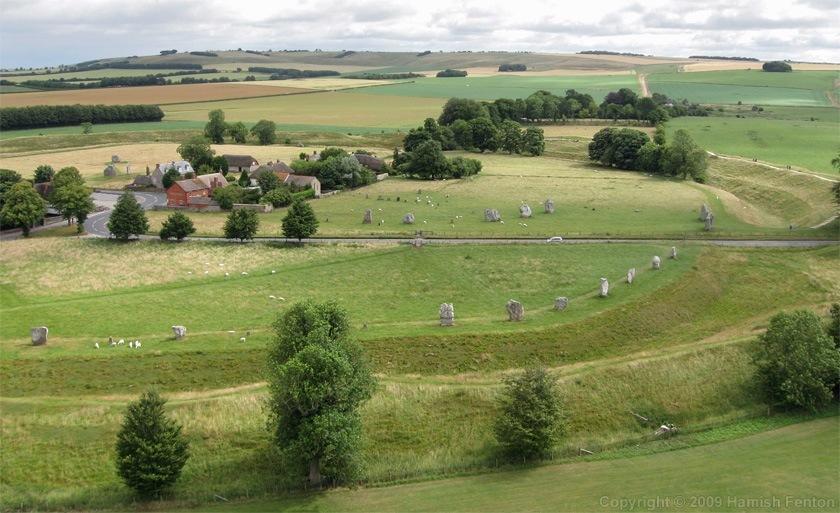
<point>287,176</point>
<point>182,166</point>
<point>370,161</point>
<point>239,163</point>
<point>194,192</point>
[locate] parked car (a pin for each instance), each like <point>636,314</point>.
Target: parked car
<point>556,238</point>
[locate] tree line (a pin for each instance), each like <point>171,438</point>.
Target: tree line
<point>124,81</point>
<point>37,116</point>
<point>457,73</point>
<point>384,76</point>
<point>289,73</point>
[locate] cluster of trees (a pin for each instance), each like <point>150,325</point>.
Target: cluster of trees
<point>512,67</point>
<point>607,52</point>
<point>168,52</point>
<point>299,223</point>
<point>336,169</point>
<point>478,134</point>
<point>70,196</point>
<point>798,359</point>
<point>22,206</point>
<point>626,148</point>
<point>384,76</point>
<point>776,66</point>
<point>265,131</point>
<point>201,156</point>
<point>12,118</point>
<point>288,73</point>
<point>451,73</point>
<point>205,54</point>
<point>97,64</point>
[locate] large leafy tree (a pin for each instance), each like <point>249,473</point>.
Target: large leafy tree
<point>197,152</point>
<point>682,157</point>
<point>216,127</point>
<point>22,207</point>
<point>67,176</point>
<point>8,178</point>
<point>300,221</point>
<point>530,418</point>
<point>797,362</point>
<point>485,135</point>
<point>265,131</point>
<point>510,136</point>
<point>127,218</point>
<point>177,226</point>
<point>151,450</point>
<point>238,132</point>
<point>44,173</point>
<point>533,141</point>
<point>462,108</point>
<point>241,224</point>
<point>427,161</point>
<point>318,379</point>
<point>73,201</point>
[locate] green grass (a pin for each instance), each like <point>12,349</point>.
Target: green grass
<point>7,89</point>
<point>109,128</point>
<point>724,477</point>
<point>590,200</point>
<point>514,86</point>
<point>800,88</point>
<point>807,144</point>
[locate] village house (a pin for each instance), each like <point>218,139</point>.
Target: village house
<point>239,163</point>
<point>182,166</point>
<point>304,182</point>
<point>370,161</point>
<point>287,176</point>
<point>195,192</point>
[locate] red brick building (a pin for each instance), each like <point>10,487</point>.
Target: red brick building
<point>195,192</point>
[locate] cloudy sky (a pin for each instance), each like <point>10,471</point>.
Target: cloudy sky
<point>51,32</point>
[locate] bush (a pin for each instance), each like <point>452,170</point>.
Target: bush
<point>242,225</point>
<point>227,196</point>
<point>451,73</point>
<point>530,418</point>
<point>44,173</point>
<point>151,451</point>
<point>512,67</point>
<point>177,225</point>
<point>460,167</point>
<point>279,197</point>
<point>797,362</point>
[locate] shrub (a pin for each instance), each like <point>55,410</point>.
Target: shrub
<point>776,66</point>
<point>151,450</point>
<point>170,176</point>
<point>460,167</point>
<point>530,418</point>
<point>451,73</point>
<point>227,196</point>
<point>279,197</point>
<point>177,225</point>
<point>241,224</point>
<point>44,173</point>
<point>797,362</point>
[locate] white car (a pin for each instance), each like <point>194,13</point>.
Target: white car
<point>555,239</point>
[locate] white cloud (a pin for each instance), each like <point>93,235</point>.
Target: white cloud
<point>39,32</point>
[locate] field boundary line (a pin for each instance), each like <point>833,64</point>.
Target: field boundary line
<point>772,166</point>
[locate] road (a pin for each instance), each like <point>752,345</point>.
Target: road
<point>97,224</point>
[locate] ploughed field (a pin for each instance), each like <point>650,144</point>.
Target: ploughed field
<point>671,346</point>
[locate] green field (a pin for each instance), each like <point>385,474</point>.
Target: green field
<point>490,88</point>
<point>805,144</point>
<point>799,88</point>
<point>723,477</point>
<point>590,200</point>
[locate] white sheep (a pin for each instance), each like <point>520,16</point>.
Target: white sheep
<point>131,345</point>
<point>121,342</point>
<point>206,272</point>
<point>242,339</point>
<point>244,273</point>
<point>96,345</point>
<point>273,271</point>
<point>271,297</point>
<point>137,344</point>
<point>227,274</point>
<point>189,272</point>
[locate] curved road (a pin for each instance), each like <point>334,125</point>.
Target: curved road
<point>97,224</point>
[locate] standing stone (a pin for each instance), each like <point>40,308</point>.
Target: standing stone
<point>549,206</point>
<point>656,263</point>
<point>115,159</point>
<point>368,216</point>
<point>515,310</point>
<point>560,303</point>
<point>110,170</point>
<point>673,253</point>
<point>631,275</point>
<point>179,331</point>
<point>524,211</point>
<point>492,215</point>
<point>39,335</point>
<point>604,289</point>
<point>704,212</point>
<point>710,222</point>
<point>447,314</point>
<point>408,218</point>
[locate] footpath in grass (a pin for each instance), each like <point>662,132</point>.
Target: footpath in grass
<point>767,471</point>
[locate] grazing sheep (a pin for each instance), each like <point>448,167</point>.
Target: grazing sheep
<point>227,274</point>
<point>271,297</point>
<point>131,345</point>
<point>244,273</point>
<point>273,271</point>
<point>121,342</point>
<point>206,272</point>
<point>189,272</point>
<point>137,344</point>
<point>96,345</point>
<point>242,339</point>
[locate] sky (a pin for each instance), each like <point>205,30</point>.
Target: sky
<point>51,32</point>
